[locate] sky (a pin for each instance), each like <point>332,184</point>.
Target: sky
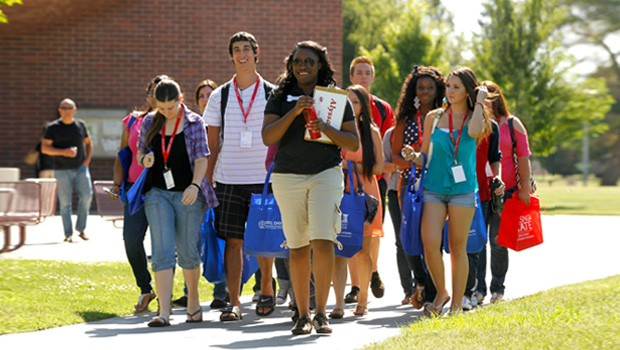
<point>466,14</point>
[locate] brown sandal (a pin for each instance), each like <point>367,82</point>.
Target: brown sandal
<point>337,313</point>
<point>360,310</point>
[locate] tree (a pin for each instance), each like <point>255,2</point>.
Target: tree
<point>3,18</point>
<point>519,50</point>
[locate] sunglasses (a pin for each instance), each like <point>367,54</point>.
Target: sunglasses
<point>307,62</point>
<point>66,108</point>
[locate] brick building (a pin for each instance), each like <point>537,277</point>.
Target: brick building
<point>102,54</point>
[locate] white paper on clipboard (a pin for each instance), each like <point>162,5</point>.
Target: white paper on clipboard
<point>330,104</point>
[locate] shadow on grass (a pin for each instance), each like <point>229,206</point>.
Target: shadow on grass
<point>89,316</point>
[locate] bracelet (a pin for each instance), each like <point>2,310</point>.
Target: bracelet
<point>142,159</point>
<point>194,184</point>
<point>479,103</point>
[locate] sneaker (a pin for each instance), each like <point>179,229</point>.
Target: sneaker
<point>302,326</point>
<point>466,304</point>
<point>321,324</point>
<point>352,296</point>
<point>474,301</point>
<point>281,296</point>
<point>256,296</point>
<point>376,285</point>
<point>480,298</point>
<point>496,298</point>
<point>181,302</point>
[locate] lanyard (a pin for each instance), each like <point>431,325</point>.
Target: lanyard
<point>420,134</point>
<point>245,115</point>
<point>165,151</point>
<point>458,138</point>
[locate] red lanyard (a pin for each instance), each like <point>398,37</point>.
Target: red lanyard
<point>458,138</point>
<point>165,151</point>
<point>245,115</point>
<point>420,135</point>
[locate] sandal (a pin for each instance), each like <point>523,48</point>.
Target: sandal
<point>190,317</point>
<point>265,302</point>
<point>337,313</point>
<point>159,321</point>
<point>143,302</point>
<point>434,310</point>
<point>360,310</point>
<point>231,313</point>
<point>417,299</point>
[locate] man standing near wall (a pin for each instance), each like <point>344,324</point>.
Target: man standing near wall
<point>234,116</point>
<point>362,72</point>
<point>68,141</point>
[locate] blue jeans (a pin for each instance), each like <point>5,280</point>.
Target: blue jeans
<point>134,231</point>
<point>78,180</point>
<point>175,227</point>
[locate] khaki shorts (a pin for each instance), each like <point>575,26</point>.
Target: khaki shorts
<point>310,205</point>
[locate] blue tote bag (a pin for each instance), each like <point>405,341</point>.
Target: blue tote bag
<point>353,205</point>
<point>124,156</point>
<point>412,215</point>
<point>477,232</point>
<point>213,250</point>
<point>263,232</point>
<point>135,198</point>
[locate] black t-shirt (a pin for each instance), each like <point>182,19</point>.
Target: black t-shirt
<point>66,136</point>
<point>178,162</point>
<point>296,155</point>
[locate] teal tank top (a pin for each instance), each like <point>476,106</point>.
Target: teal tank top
<point>439,178</point>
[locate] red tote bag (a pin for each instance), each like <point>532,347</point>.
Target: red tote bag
<point>520,227</point>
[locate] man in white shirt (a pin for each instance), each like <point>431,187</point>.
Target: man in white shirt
<point>234,116</point>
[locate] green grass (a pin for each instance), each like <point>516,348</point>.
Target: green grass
<point>561,197</point>
<point>579,316</point>
<point>37,294</point>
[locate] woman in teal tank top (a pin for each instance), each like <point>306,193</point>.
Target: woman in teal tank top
<point>450,184</point>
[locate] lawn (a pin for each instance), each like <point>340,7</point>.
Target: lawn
<point>578,316</point>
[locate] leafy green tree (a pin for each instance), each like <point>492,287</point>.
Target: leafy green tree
<point>3,18</point>
<point>519,49</point>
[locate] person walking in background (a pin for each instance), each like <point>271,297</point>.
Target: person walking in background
<point>450,186</point>
<point>369,160</point>
<point>362,72</point>
<point>134,226</point>
<point>234,118</point>
<point>173,145</point>
<point>67,139</point>
<point>43,163</point>
<point>307,180</point>
<point>422,91</point>
<point>515,177</point>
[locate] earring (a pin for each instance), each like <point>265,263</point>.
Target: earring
<point>445,99</point>
<point>416,102</point>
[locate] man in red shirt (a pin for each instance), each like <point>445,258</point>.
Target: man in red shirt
<point>362,72</point>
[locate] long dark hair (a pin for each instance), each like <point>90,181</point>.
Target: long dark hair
<point>470,82</point>
<point>406,105</point>
<point>166,90</point>
<point>364,122</point>
<point>287,81</point>
<point>497,99</point>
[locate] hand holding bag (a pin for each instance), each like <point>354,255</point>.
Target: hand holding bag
<point>213,250</point>
<point>520,227</point>
<point>477,232</point>
<point>371,204</point>
<point>263,232</point>
<point>412,215</point>
<point>351,236</point>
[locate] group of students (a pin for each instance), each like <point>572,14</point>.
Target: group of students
<point>191,171</point>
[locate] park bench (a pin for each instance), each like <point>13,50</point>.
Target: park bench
<point>109,209</point>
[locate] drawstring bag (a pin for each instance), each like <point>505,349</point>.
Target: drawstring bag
<point>263,232</point>
<point>351,236</point>
<point>213,250</point>
<point>520,227</point>
<point>477,232</point>
<point>412,215</point>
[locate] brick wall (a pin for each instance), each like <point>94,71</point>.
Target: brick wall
<point>103,53</point>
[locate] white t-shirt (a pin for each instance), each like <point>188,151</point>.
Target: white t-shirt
<point>237,165</point>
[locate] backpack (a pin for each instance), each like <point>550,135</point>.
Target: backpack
<point>224,101</point>
<point>381,109</point>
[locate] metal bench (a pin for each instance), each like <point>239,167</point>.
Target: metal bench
<point>20,205</point>
<point>109,209</point>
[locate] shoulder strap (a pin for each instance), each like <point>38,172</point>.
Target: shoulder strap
<point>131,121</point>
<point>224,101</point>
<point>515,158</point>
<point>381,109</point>
<point>268,87</point>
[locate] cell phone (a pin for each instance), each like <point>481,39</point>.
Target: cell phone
<point>108,191</point>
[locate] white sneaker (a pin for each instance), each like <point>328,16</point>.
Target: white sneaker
<point>256,296</point>
<point>466,304</point>
<point>474,301</point>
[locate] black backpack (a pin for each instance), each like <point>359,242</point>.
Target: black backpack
<point>226,89</point>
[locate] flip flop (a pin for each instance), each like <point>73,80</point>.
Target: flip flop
<point>266,301</point>
<point>159,321</point>
<point>190,317</point>
<point>231,313</point>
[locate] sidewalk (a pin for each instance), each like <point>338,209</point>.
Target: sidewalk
<point>576,249</point>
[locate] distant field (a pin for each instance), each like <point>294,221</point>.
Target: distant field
<point>560,196</point>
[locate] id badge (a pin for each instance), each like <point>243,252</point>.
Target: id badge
<point>168,179</point>
<point>458,173</point>
<point>246,139</point>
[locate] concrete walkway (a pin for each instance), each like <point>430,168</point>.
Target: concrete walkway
<point>576,249</point>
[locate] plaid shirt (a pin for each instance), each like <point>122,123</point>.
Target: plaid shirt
<point>195,143</point>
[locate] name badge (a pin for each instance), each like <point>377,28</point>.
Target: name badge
<point>246,139</point>
<point>168,179</point>
<point>458,173</point>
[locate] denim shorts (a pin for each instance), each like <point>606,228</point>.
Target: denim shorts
<point>456,200</point>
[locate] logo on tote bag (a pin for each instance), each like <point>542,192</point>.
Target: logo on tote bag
<point>525,227</point>
<point>270,225</point>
